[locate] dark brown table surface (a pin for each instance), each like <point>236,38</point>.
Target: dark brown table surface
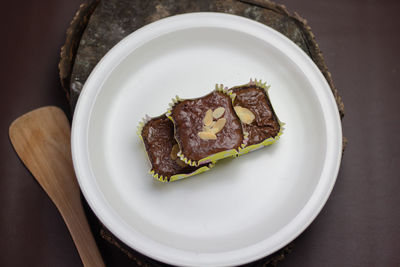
<point>360,223</point>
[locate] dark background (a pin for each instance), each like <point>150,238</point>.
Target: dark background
<point>360,223</point>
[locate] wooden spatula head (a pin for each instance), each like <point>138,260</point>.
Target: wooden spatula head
<point>41,139</point>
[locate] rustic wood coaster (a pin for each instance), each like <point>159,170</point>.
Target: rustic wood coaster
<point>99,25</point>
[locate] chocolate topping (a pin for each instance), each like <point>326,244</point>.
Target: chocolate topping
<point>266,123</point>
<point>158,138</point>
<point>188,117</point>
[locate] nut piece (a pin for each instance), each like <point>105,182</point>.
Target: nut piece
<point>244,114</point>
<point>219,125</point>
<point>209,127</point>
<point>180,162</point>
<point>218,112</point>
<point>208,118</point>
<point>174,152</point>
<point>207,136</point>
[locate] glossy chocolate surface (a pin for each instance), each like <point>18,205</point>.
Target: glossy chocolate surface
<point>158,138</point>
<point>188,117</point>
<point>266,123</point>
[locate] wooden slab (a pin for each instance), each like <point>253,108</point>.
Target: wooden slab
<point>99,25</point>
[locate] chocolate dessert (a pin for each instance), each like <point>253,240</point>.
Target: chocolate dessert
<point>254,108</point>
<point>206,126</point>
<point>195,133</point>
<point>158,137</point>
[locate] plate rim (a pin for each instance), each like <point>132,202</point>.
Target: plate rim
<point>84,107</point>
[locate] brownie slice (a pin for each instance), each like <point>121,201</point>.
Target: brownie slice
<point>197,138</point>
<point>161,147</point>
<point>264,122</point>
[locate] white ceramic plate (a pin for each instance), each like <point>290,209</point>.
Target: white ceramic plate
<point>243,209</point>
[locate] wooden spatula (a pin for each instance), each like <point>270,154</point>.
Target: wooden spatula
<point>41,139</point>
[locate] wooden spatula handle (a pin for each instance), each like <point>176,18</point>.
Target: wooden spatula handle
<point>42,140</point>
<point>75,219</point>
